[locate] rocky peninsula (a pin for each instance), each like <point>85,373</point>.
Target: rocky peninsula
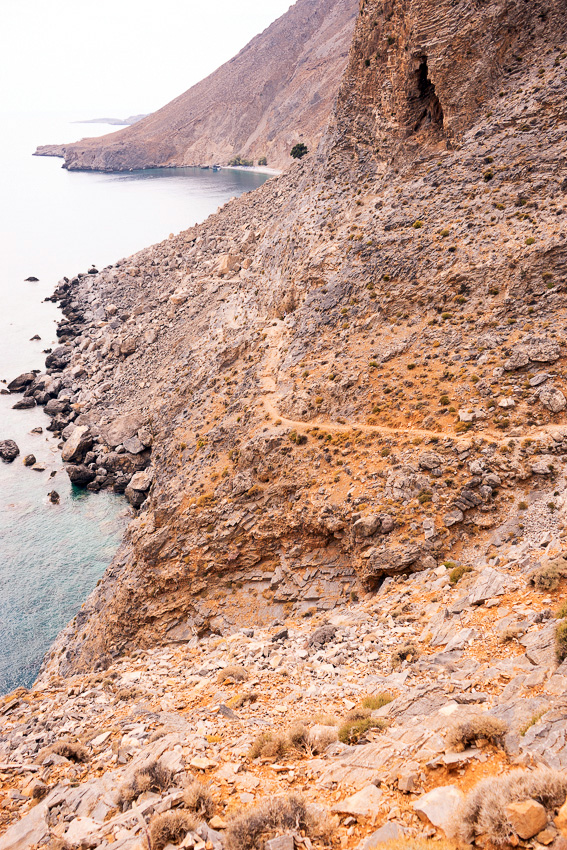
<point>279,90</point>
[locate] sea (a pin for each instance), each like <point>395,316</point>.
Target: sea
<point>55,223</point>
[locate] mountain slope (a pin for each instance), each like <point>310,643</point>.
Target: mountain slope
<point>294,356</point>
<point>278,90</point>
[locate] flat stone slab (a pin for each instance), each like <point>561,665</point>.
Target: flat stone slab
<point>364,803</point>
<point>438,806</point>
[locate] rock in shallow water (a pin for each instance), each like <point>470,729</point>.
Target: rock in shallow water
<point>9,450</point>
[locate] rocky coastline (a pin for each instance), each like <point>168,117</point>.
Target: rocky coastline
<point>120,458</point>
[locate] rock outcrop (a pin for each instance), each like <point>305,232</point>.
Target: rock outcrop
<point>279,90</point>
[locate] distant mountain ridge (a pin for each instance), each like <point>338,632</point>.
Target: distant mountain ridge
<point>280,89</point>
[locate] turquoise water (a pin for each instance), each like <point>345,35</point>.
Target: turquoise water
<point>55,223</point>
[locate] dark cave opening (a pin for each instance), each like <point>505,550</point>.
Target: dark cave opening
<point>428,106</point>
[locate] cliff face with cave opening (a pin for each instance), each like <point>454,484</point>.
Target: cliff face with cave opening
<point>280,89</point>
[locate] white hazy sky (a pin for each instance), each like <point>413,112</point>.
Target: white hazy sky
<point>113,58</point>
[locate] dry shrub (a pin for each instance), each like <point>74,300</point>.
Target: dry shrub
<point>298,738</point>
<point>550,575</point>
<point>377,701</point>
<point>268,745</point>
<point>198,799</point>
<point>70,750</point>
<point>479,726</point>
<point>152,777</point>
<point>272,815</point>
<point>353,730</point>
<point>170,827</point>
<point>233,671</point>
<point>561,641</point>
<point>405,652</point>
<point>124,694</point>
<point>483,812</point>
<point>239,700</point>
<point>358,714</point>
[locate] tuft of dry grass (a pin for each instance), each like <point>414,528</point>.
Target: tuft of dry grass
<point>70,750</point>
<point>151,777</point>
<point>238,700</point>
<point>249,830</point>
<point>377,701</point>
<point>233,671</point>
<point>404,652</point>
<point>268,745</point>
<point>475,728</point>
<point>171,827</point>
<point>550,575</point>
<point>353,730</point>
<point>483,811</point>
<point>561,640</point>
<point>198,799</point>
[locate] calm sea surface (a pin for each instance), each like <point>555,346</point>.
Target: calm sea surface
<point>55,223</point>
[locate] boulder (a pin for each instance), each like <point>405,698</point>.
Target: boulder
<point>77,445</point>
<point>543,351</point>
<point>121,429</point>
<point>19,384</point>
<point>281,842</point>
<point>390,831</point>
<point>527,817</point>
<point>517,360</point>
<point>439,806</point>
<point>430,460</point>
<point>133,445</point>
<point>59,358</point>
<point>453,517</point>
<point>228,263</point>
<point>367,525</point>
<point>543,465</point>
<point>553,399</point>
<point>561,819</point>
<point>80,475</point>
<point>364,803</point>
<point>140,483</point>
<point>56,406</point>
<point>25,403</point>
<point>9,450</point>
<point>128,346</point>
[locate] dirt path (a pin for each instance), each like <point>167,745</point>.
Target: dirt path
<point>269,398</point>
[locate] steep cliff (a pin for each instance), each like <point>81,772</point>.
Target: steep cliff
<point>278,90</point>
<point>294,355</point>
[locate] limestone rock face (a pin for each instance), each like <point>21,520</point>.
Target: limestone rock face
<point>277,91</point>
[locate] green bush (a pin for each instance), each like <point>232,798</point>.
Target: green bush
<point>239,161</point>
<point>457,573</point>
<point>299,150</point>
<point>262,161</point>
